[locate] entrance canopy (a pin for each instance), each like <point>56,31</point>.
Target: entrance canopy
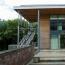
<point>30,11</point>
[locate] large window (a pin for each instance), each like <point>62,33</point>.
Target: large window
<point>57,28</point>
<point>57,22</point>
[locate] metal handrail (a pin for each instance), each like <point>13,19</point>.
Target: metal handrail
<point>27,39</point>
<point>30,39</point>
<point>23,39</point>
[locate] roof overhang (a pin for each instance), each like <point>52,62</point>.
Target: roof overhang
<point>30,11</point>
<point>39,6</point>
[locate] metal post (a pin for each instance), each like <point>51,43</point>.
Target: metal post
<point>38,15</point>
<point>18,34</point>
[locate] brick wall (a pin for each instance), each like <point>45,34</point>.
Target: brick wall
<point>17,57</point>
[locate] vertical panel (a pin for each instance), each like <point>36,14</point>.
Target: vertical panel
<point>59,25</point>
<point>54,42</point>
<point>44,32</point>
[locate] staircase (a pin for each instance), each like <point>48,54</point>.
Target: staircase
<point>25,41</point>
<point>49,57</point>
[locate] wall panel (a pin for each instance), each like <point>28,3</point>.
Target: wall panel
<point>45,32</point>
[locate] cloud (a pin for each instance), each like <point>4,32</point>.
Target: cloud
<point>2,2</point>
<point>6,13</point>
<point>32,2</point>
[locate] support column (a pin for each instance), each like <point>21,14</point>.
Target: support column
<point>38,19</point>
<point>18,33</point>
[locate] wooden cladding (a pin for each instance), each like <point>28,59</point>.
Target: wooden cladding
<point>45,32</point>
<point>29,14</point>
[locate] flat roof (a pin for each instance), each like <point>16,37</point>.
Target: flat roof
<point>39,6</point>
<point>31,14</point>
<point>39,2</point>
<point>30,11</point>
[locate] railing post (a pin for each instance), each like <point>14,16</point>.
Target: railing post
<point>18,34</point>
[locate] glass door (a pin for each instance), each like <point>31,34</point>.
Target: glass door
<point>54,42</point>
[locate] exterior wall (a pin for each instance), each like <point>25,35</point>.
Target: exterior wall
<point>44,32</point>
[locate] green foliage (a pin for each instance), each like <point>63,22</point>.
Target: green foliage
<point>3,26</point>
<point>24,24</point>
<point>8,32</point>
<point>11,24</point>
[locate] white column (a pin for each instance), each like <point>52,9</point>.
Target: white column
<point>18,32</point>
<point>38,19</point>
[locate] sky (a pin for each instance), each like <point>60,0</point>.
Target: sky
<point>6,11</point>
<point>30,2</point>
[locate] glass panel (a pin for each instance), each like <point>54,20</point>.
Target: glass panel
<point>53,25</point>
<point>63,24</point>
<point>62,41</point>
<point>59,25</point>
<point>61,17</point>
<point>53,17</point>
<point>53,28</point>
<point>54,42</point>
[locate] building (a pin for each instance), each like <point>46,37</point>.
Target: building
<point>51,24</point>
<point>51,31</point>
<point>51,36</point>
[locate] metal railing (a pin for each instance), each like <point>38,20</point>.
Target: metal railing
<point>27,39</point>
<point>30,38</point>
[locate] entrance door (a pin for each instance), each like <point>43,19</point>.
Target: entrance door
<point>54,42</point>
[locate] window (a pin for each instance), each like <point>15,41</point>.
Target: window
<point>53,25</point>
<point>63,24</point>
<point>59,25</point>
<point>57,29</point>
<point>57,22</point>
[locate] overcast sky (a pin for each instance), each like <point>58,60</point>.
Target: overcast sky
<point>31,2</point>
<point>7,13</point>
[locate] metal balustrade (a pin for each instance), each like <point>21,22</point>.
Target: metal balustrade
<point>30,39</point>
<point>23,39</point>
<point>27,39</point>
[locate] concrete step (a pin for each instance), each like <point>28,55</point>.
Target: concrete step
<point>57,50</point>
<point>48,63</point>
<point>37,59</point>
<point>49,55</point>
